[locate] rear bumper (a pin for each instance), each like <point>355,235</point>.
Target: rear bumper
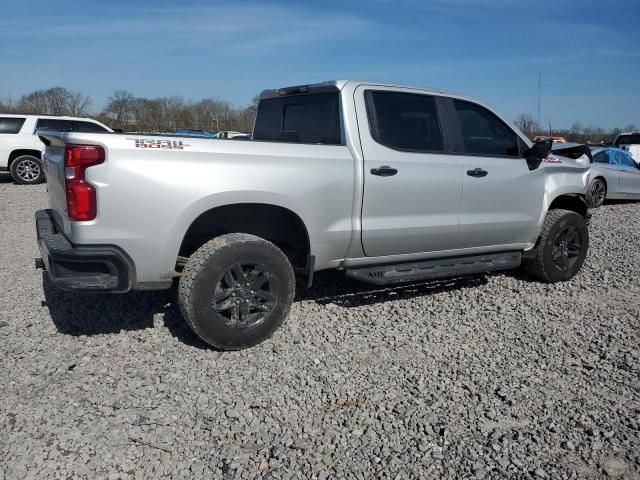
<point>95,268</point>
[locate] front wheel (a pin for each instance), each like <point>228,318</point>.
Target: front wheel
<point>236,291</point>
<point>561,248</point>
<point>27,170</point>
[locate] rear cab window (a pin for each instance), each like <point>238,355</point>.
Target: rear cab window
<point>11,125</point>
<point>301,118</point>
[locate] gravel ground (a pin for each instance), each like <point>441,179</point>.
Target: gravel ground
<point>487,377</point>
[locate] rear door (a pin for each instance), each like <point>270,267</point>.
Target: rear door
<point>502,198</point>
<point>412,188</point>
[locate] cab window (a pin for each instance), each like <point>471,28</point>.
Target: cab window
<point>483,133</point>
<point>404,121</point>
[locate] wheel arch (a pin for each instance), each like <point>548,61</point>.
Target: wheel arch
<point>23,151</point>
<point>604,180</point>
<point>575,203</point>
<point>277,224</point>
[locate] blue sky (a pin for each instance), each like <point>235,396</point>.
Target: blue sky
<point>588,51</point>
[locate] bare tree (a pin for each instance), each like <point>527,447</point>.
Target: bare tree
<point>120,108</point>
<point>527,124</point>
<point>54,101</point>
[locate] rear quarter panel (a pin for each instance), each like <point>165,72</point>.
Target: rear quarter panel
<point>148,197</point>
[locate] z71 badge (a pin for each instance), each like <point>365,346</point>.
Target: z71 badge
<point>161,144</point>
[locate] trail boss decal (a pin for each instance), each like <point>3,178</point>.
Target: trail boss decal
<point>160,144</point>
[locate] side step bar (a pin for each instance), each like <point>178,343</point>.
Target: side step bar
<point>433,269</point>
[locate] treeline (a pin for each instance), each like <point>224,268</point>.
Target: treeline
<point>166,114</point>
<point>130,113</point>
<point>578,132</point>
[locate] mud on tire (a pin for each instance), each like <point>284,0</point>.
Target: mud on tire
<point>236,291</point>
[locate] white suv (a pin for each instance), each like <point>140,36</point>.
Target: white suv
<point>21,149</point>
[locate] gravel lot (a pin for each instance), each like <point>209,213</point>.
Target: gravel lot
<point>487,377</point>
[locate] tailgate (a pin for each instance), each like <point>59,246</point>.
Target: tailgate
<point>53,164</point>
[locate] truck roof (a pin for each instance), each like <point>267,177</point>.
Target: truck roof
<point>332,85</point>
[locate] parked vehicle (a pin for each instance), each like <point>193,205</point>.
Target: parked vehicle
<point>385,182</point>
<point>554,138</point>
<point>21,149</point>
<point>631,143</point>
<point>614,175</point>
<point>196,133</point>
<point>229,134</point>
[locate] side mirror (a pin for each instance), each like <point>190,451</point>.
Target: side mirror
<point>538,152</point>
<point>540,149</point>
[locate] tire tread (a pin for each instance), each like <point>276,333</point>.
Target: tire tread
<point>197,262</point>
<point>535,266</point>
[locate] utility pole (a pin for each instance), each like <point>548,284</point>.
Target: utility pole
<point>539,83</point>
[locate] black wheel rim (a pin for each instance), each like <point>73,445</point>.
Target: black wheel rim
<point>598,193</point>
<point>245,296</point>
<point>567,248</point>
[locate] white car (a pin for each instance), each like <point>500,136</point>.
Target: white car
<point>20,148</point>
<point>614,175</point>
<point>631,143</point>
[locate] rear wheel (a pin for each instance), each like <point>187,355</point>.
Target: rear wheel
<point>27,170</point>
<point>597,193</point>
<point>561,248</point>
<point>236,290</point>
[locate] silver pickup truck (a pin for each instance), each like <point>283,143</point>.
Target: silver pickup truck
<point>387,183</point>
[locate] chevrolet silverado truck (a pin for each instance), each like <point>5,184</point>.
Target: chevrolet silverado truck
<point>387,183</point>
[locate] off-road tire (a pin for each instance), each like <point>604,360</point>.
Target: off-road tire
<point>27,170</point>
<point>542,265</point>
<point>205,272</point>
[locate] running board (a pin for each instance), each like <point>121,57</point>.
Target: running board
<point>433,269</point>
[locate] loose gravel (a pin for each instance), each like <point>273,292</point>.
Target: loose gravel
<point>487,377</point>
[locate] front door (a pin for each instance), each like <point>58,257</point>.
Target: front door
<point>502,198</point>
<point>412,190</point>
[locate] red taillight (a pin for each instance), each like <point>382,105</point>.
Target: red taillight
<point>81,195</point>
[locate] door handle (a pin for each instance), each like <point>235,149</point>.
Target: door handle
<point>384,171</point>
<point>477,173</point>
